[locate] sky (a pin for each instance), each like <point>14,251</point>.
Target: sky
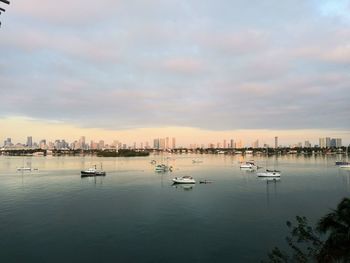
<point>195,70</point>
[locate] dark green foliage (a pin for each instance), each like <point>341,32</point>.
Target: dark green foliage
<point>337,226</point>
<point>122,153</point>
<point>329,242</point>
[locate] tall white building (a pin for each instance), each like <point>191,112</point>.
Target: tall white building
<point>29,141</point>
<point>325,142</point>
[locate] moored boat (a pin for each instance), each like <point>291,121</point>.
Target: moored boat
<point>269,173</point>
<point>345,166</point>
<point>248,165</point>
<point>28,169</point>
<point>92,172</point>
<point>184,180</point>
<point>163,168</point>
<point>341,163</point>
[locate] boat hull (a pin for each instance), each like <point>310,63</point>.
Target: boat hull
<point>268,174</point>
<point>181,181</point>
<point>90,174</point>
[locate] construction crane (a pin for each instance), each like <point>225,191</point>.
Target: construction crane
<point>2,9</point>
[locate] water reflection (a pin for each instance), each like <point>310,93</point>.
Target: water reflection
<point>184,187</point>
<point>271,187</point>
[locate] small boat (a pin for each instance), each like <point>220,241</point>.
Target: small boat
<point>205,182</point>
<point>269,173</point>
<point>92,172</point>
<point>184,180</point>
<point>342,163</point>
<point>153,162</point>
<point>345,166</point>
<point>248,165</point>
<point>28,169</point>
<point>163,168</point>
<point>197,161</point>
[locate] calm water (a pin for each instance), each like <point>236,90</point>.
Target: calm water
<point>136,215</point>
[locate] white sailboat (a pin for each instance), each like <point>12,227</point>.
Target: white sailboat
<point>269,173</point>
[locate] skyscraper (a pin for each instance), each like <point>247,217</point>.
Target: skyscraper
<point>167,145</point>
<point>29,141</point>
<point>82,142</point>
<point>338,142</point>
<point>232,144</point>
<point>173,143</point>
<point>276,142</point>
<point>162,143</point>
<point>256,144</point>
<point>156,144</point>
<point>325,142</point>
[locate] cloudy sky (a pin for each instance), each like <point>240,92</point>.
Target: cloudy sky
<point>213,67</point>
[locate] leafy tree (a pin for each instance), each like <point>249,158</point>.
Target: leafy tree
<point>328,242</point>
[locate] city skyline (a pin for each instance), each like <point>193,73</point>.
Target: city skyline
<point>163,143</point>
<point>228,71</point>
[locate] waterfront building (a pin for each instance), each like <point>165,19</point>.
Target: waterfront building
<point>276,142</point>
<point>307,144</point>
<point>42,144</point>
<point>325,142</point>
<point>101,144</point>
<point>232,144</point>
<point>29,141</point>
<point>173,143</point>
<point>336,142</point>
<point>156,144</point>
<point>81,144</point>
<point>93,145</point>
<point>167,145</point>
<point>8,142</point>
<point>162,143</point>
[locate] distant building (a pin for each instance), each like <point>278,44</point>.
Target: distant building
<point>232,144</point>
<point>255,144</point>
<point>167,145</point>
<point>325,142</point>
<point>156,144</point>
<point>82,144</point>
<point>42,144</point>
<point>307,144</point>
<point>336,142</point>
<point>29,141</point>
<point>162,143</point>
<point>8,142</point>
<point>173,146</point>
<point>225,145</point>
<point>101,144</point>
<point>276,142</point>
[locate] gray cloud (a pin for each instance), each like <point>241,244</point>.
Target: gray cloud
<point>222,65</point>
